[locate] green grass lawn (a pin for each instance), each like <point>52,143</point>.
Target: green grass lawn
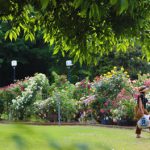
<point>19,137</point>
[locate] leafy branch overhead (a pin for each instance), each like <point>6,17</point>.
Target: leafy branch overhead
<point>85,29</point>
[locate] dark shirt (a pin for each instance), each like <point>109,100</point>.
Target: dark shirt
<point>143,99</point>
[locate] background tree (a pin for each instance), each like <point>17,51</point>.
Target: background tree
<point>132,61</point>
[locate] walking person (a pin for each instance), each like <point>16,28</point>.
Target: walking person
<point>140,109</point>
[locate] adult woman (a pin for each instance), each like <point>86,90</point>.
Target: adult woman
<point>141,107</point>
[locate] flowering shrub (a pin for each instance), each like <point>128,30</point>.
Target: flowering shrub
<point>112,83</point>
<point>142,80</point>
<point>107,90</point>
<point>43,107</point>
<point>60,92</point>
<point>123,94</point>
<point>8,93</point>
<point>147,82</point>
<point>21,102</point>
<point>124,110</point>
<point>127,100</point>
<point>83,89</point>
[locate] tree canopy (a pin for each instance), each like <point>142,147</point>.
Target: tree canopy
<point>84,29</point>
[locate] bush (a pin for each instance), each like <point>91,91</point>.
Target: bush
<point>61,93</point>
<point>83,89</point>
<point>124,110</point>
<point>22,103</point>
<point>107,89</point>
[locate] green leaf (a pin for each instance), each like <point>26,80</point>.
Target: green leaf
<point>123,6</point>
<point>81,60</point>
<point>44,3</point>
<point>6,35</point>
<point>10,17</point>
<point>63,54</point>
<point>31,36</point>
<point>95,61</point>
<point>56,50</point>
<point>100,42</point>
<point>52,41</point>
<point>54,2</point>
<point>14,35</point>
<point>96,12</point>
<point>26,37</point>
<point>17,30</point>
<point>113,2</point>
<point>83,13</point>
<point>84,8</point>
<point>77,3</point>
<point>91,13</point>
<point>35,28</point>
<point>66,47</point>
<point>10,36</point>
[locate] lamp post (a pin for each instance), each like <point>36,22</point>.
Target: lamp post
<point>14,64</point>
<point>58,108</point>
<point>69,64</point>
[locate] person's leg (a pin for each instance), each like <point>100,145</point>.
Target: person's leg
<point>138,132</point>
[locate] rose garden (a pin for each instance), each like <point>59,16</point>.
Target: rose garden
<point>108,99</point>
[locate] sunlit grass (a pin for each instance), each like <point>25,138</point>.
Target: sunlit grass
<point>19,137</point>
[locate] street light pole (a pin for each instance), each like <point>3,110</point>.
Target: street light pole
<point>14,74</point>
<point>58,108</point>
<point>69,64</point>
<point>14,64</point>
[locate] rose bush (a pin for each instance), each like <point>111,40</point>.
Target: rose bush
<point>107,89</point>
<point>60,92</point>
<point>21,103</point>
<point>124,110</point>
<point>8,93</point>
